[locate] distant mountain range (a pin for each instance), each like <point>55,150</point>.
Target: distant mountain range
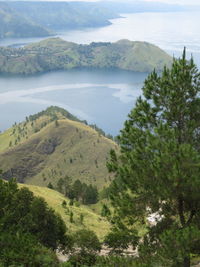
<point>35,19</point>
<point>43,18</point>
<point>57,54</point>
<point>12,24</point>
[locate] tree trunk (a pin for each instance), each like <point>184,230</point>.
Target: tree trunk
<point>186,262</point>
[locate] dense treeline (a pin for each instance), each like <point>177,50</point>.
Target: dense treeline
<point>81,192</point>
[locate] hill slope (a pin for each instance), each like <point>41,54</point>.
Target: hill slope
<point>92,220</point>
<point>65,15</point>
<point>49,146</point>
<point>57,54</point>
<point>12,24</point>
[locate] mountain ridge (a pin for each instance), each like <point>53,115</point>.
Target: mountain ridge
<point>43,150</point>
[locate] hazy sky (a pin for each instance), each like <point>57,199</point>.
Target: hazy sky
<point>184,2</point>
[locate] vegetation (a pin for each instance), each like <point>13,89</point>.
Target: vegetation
<point>155,193</point>
<point>31,231</point>
<point>15,25</point>
<point>43,18</point>
<point>157,172</point>
<point>81,192</point>
<point>28,228</point>
<point>64,16</point>
<point>87,245</point>
<point>42,152</point>
<point>57,54</point>
<point>35,19</point>
<point>90,214</point>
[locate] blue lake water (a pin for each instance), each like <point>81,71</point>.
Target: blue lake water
<point>101,97</point>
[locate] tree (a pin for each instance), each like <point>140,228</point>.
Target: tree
<point>64,203</point>
<point>23,249</point>
<point>105,212</point>
<point>158,169</point>
<point>50,185</point>
<point>71,219</point>
<point>48,226</point>
<point>87,246</point>
<point>90,195</point>
<point>21,211</point>
<point>77,189</point>
<point>81,218</point>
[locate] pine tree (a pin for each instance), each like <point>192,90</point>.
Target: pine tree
<point>71,219</point>
<point>158,170</point>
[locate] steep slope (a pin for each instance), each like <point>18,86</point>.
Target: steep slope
<point>57,54</point>
<point>49,146</point>
<point>12,24</point>
<point>91,220</point>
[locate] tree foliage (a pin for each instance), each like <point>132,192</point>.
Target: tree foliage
<point>87,194</point>
<point>86,246</point>
<point>22,250</point>
<point>158,170</point>
<point>30,225</point>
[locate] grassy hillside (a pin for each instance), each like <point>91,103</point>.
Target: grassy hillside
<point>57,54</point>
<point>92,220</point>
<point>13,24</point>
<point>50,146</point>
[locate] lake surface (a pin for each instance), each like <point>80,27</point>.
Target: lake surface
<point>170,31</point>
<point>101,97</point>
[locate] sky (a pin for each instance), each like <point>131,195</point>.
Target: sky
<point>183,2</point>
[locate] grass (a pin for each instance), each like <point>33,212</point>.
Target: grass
<point>92,220</point>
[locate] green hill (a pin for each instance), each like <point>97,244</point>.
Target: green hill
<point>51,145</point>
<point>57,54</point>
<point>13,24</point>
<point>91,220</point>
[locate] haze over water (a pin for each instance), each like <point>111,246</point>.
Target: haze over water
<point>101,97</point>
